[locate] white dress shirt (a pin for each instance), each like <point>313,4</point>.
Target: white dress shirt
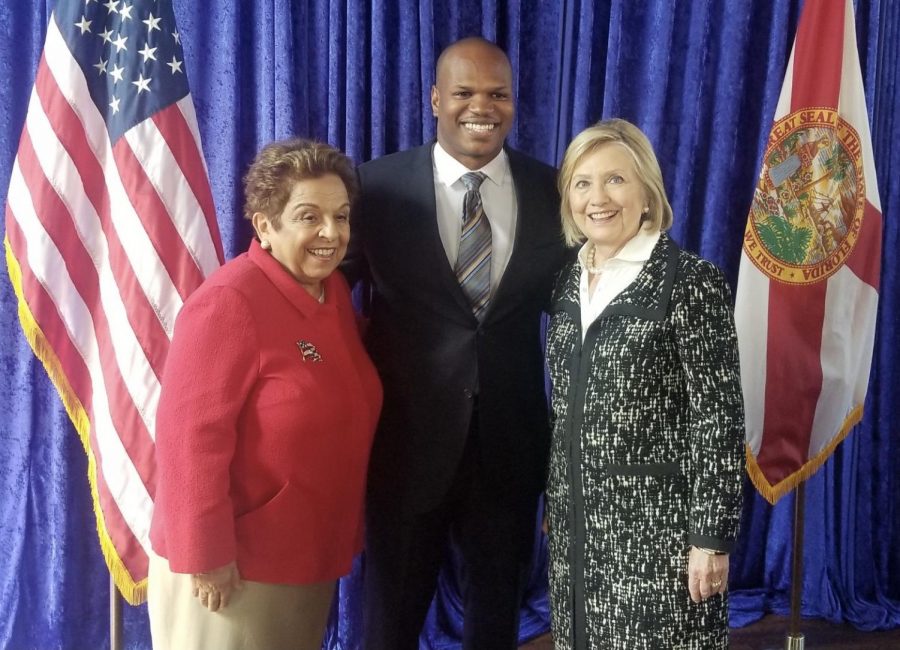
<point>615,275</point>
<point>498,197</point>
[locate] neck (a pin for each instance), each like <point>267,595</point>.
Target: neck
<point>314,289</point>
<point>599,254</point>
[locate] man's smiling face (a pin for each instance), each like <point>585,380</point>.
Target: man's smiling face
<point>473,102</point>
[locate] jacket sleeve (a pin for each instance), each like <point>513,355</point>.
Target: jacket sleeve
<point>212,365</point>
<point>707,346</point>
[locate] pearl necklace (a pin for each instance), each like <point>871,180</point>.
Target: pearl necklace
<point>593,270</point>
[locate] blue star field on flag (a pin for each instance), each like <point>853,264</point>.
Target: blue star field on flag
<point>131,55</point>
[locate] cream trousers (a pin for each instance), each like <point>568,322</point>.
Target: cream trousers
<point>260,616</point>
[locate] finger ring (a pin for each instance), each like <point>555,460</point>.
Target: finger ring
<point>716,584</point>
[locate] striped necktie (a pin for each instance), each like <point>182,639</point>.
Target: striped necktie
<point>473,266</point>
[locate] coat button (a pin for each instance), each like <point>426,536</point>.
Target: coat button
<point>467,393</point>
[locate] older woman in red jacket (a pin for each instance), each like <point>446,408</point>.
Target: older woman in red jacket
<point>268,407</point>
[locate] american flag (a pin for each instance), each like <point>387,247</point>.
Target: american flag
<point>110,225</point>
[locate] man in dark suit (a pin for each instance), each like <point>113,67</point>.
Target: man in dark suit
<point>460,267</point>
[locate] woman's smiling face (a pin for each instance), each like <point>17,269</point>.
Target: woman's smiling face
<point>313,230</point>
<point>607,199</point>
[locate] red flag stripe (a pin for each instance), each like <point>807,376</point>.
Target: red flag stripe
<point>133,552</point>
<point>44,312</point>
<point>143,257</point>
<point>156,222</point>
<point>68,128</point>
<point>176,131</point>
<point>793,376</point>
<point>44,308</point>
<point>56,220</point>
<point>817,70</point>
<point>52,161</point>
<point>797,313</point>
<point>44,261</point>
<point>161,168</point>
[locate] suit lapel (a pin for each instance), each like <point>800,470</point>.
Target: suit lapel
<point>527,200</point>
<point>421,188</point>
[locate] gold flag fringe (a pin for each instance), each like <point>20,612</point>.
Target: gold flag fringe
<point>134,592</point>
<point>773,493</point>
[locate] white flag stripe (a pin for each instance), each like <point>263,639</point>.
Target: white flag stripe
<point>155,156</point>
<point>853,109</point>
<point>784,98</point>
<point>847,339</point>
<point>750,342</point>
<point>122,479</point>
<point>60,171</point>
<point>147,265</point>
<point>186,106</point>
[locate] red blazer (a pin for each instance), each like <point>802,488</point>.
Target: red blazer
<point>268,407</point>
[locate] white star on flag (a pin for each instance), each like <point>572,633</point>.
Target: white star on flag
<point>84,25</point>
<point>142,84</point>
<point>152,23</point>
<point>116,73</point>
<point>148,52</point>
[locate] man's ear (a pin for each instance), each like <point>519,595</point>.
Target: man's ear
<point>435,101</point>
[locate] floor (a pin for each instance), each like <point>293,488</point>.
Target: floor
<point>771,631</point>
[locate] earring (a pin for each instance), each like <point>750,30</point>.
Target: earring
<point>646,209</point>
<point>265,244</point>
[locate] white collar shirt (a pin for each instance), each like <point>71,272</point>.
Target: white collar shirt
<point>498,196</point>
<point>615,274</point>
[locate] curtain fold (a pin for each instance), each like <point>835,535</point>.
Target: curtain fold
<point>701,78</point>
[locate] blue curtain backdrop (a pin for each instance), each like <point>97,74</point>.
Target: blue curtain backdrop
<point>701,77</point>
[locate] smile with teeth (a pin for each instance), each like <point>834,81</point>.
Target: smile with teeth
<point>322,253</point>
<point>476,127</point>
<point>602,216</point>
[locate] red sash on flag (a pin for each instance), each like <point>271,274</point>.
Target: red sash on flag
<point>807,291</point>
<point>109,227</point>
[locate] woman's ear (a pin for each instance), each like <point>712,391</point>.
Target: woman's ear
<point>260,225</point>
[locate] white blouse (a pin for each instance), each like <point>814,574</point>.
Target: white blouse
<point>615,275</point>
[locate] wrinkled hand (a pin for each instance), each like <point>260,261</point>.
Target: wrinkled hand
<point>707,574</point>
<point>215,588</point>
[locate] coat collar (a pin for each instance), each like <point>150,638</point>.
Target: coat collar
<point>647,297</point>
<point>299,297</point>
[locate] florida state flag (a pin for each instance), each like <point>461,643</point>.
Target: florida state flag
<point>808,286</point>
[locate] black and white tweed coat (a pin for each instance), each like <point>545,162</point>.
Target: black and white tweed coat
<point>647,456</point>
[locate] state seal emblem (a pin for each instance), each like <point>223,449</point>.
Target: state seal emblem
<point>808,207</point>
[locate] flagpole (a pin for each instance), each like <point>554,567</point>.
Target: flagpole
<point>795,640</point>
<point>115,616</point>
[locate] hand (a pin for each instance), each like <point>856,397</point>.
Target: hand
<point>707,574</point>
<point>215,588</point>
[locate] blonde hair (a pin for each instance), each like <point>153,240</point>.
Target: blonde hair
<point>630,137</point>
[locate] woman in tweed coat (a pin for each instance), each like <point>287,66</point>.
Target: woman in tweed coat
<point>644,492</point>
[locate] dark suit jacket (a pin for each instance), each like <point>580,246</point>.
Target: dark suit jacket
<point>436,361</point>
